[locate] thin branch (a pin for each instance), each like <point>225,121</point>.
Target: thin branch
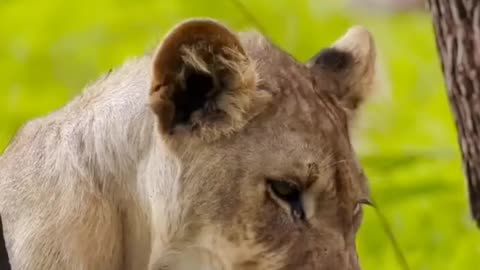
<point>244,10</point>
<point>391,236</point>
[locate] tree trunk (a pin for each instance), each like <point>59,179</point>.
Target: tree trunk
<point>457,29</point>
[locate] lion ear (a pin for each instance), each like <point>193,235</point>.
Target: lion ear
<point>201,78</point>
<point>350,62</point>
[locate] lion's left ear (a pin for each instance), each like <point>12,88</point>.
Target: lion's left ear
<point>350,62</point>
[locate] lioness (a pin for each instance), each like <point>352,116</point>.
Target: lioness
<point>217,151</point>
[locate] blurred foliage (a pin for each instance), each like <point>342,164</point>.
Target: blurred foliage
<point>50,49</point>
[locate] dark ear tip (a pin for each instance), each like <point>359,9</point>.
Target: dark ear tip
<point>332,59</point>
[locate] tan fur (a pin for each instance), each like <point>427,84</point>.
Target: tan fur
<point>116,179</point>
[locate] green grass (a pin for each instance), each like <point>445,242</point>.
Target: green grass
<point>50,49</point>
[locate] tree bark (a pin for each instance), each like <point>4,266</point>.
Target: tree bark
<point>457,28</point>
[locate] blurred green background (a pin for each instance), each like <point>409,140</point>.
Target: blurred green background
<point>50,49</point>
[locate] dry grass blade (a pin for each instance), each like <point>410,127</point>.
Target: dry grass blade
<point>391,236</point>
<point>244,10</point>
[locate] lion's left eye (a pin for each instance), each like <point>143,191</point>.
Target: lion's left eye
<point>289,193</point>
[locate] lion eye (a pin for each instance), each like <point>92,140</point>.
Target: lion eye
<point>289,193</point>
<point>284,190</point>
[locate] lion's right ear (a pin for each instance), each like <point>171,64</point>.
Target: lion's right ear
<point>202,80</point>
